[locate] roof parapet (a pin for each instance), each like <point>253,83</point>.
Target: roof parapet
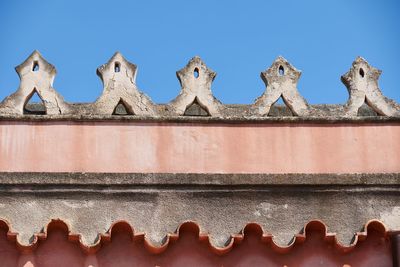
<point>37,76</point>
<point>119,79</point>
<point>196,79</point>
<point>362,83</point>
<point>195,98</point>
<point>281,81</point>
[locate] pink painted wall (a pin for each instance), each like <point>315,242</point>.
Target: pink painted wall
<point>199,148</point>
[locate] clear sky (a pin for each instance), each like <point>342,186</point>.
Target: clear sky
<point>237,39</point>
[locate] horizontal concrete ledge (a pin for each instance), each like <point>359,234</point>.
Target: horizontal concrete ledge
<point>221,204</point>
<point>195,179</point>
<point>198,119</point>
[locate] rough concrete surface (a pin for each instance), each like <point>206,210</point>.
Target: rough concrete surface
<point>222,205</point>
<point>362,83</point>
<point>196,79</point>
<point>281,81</point>
<point>119,75</point>
<point>119,79</point>
<point>36,75</point>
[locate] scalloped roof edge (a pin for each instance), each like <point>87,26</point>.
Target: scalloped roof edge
<point>191,226</point>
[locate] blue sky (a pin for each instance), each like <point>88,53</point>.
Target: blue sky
<point>237,39</point>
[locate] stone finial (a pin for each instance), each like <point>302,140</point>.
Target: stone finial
<point>119,79</point>
<point>37,76</point>
<point>195,79</point>
<point>281,81</point>
<point>362,83</point>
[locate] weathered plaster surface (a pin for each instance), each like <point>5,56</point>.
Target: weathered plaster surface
<point>119,79</point>
<point>222,205</point>
<point>233,164</point>
<point>281,81</point>
<point>195,79</point>
<point>362,83</point>
<point>199,148</point>
<point>36,75</point>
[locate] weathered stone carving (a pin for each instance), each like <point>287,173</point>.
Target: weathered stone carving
<point>121,96</point>
<point>195,79</point>
<point>37,76</point>
<point>362,83</point>
<point>119,79</point>
<point>281,81</point>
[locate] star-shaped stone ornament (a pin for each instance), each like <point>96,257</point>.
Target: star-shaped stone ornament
<point>281,81</point>
<point>362,84</point>
<point>196,79</point>
<point>37,76</point>
<point>119,79</point>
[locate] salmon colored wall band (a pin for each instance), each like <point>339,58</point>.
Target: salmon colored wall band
<point>199,148</point>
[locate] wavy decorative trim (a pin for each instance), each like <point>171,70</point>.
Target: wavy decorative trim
<point>190,226</point>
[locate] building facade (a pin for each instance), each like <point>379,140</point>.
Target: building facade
<point>195,182</point>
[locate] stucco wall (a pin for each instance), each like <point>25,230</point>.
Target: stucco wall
<point>157,147</point>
